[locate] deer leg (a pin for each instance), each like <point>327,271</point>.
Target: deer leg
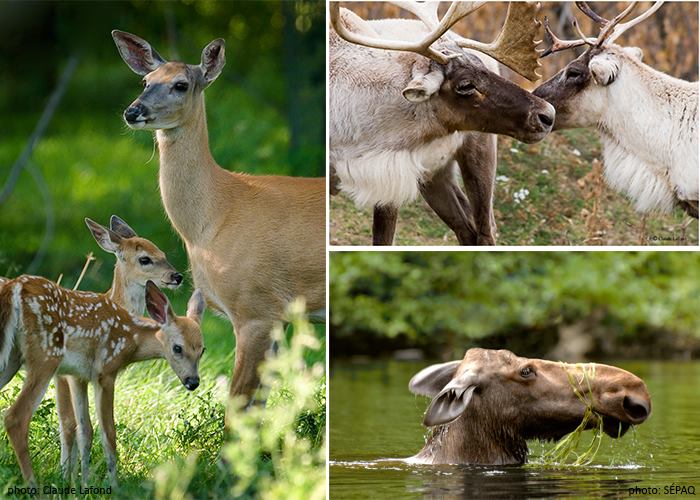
<point>78,389</point>
<point>104,404</point>
<point>445,197</point>
<point>12,367</point>
<point>477,162</point>
<point>252,342</point>
<point>384,224</point>
<point>67,426</point>
<point>20,413</point>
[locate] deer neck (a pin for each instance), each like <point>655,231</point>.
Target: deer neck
<point>189,178</point>
<point>149,343</point>
<point>131,296</point>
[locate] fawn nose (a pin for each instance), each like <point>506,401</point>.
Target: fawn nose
<point>134,111</point>
<point>176,277</point>
<point>191,383</point>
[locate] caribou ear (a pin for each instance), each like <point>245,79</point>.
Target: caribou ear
<point>634,53</point>
<point>423,85</point>
<point>431,380</point>
<point>451,402</point>
<point>604,68</point>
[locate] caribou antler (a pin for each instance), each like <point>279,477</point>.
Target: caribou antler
<point>610,29</point>
<point>514,46</point>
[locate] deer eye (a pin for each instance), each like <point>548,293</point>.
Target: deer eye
<point>177,349</point>
<point>526,372</point>
<point>144,261</point>
<point>144,83</point>
<point>465,88</point>
<point>181,86</point>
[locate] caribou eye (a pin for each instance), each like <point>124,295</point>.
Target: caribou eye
<point>465,89</point>
<point>144,261</point>
<point>526,372</point>
<point>177,349</point>
<point>573,73</point>
<point>181,86</point>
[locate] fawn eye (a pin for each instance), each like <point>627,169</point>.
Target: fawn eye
<point>177,349</point>
<point>181,86</point>
<point>144,261</point>
<point>526,372</point>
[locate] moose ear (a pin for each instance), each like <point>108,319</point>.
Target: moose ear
<point>213,60</point>
<point>137,52</point>
<point>120,227</point>
<point>431,380</point>
<point>157,304</point>
<point>423,86</point>
<point>451,402</point>
<point>604,68</point>
<point>109,241</point>
<point>195,306</point>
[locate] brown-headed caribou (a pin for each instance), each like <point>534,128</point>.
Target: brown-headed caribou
<point>485,406</point>
<point>647,120</point>
<point>407,98</point>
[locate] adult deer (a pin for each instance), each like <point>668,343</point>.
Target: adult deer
<point>647,120</point>
<point>138,262</point>
<point>254,243</point>
<point>90,337</point>
<point>407,99</point>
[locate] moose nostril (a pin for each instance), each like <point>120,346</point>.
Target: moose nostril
<point>177,278</point>
<point>638,410</point>
<point>546,119</point>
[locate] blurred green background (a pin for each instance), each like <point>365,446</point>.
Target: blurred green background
<point>265,115</point>
<point>560,305</point>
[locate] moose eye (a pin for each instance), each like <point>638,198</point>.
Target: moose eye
<point>144,261</point>
<point>181,86</point>
<point>526,372</point>
<point>177,349</point>
<point>465,88</point>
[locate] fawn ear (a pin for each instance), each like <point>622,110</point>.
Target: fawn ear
<point>213,60</point>
<point>120,227</point>
<point>157,304</point>
<point>108,240</point>
<point>137,52</point>
<point>195,306</point>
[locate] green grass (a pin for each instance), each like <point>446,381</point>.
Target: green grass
<point>556,174</point>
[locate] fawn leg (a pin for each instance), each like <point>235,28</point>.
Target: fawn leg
<point>67,426</point>
<point>78,389</point>
<point>104,404</point>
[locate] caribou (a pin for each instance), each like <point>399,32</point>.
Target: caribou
<point>485,406</point>
<point>411,101</point>
<point>647,120</point>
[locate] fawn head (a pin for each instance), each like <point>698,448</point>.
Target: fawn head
<point>139,260</point>
<point>180,336</point>
<point>170,89</point>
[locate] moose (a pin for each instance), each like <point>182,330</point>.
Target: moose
<point>647,120</point>
<point>411,101</point>
<point>485,406</point>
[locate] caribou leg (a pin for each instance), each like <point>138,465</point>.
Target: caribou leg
<point>445,197</point>
<point>477,162</point>
<point>384,224</point>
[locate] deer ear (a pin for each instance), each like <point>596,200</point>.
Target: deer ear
<point>431,380</point>
<point>213,60</point>
<point>157,304</point>
<point>109,241</point>
<point>120,227</point>
<point>604,68</point>
<point>451,402</point>
<point>423,86</point>
<point>137,53</point>
<point>195,306</point>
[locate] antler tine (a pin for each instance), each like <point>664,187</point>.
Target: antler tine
<point>607,29</point>
<point>516,44</point>
<point>426,12</point>
<point>584,7</point>
<point>457,11</point>
<point>555,44</point>
<point>621,28</point>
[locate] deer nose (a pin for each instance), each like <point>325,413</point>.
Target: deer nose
<point>134,111</point>
<point>191,383</point>
<point>176,277</point>
<point>637,409</point>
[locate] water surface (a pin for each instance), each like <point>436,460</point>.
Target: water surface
<point>375,421</point>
